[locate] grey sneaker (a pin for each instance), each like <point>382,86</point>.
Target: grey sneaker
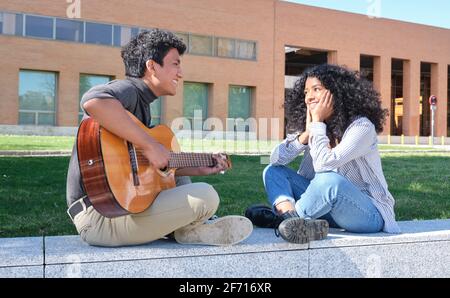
<point>227,230</point>
<point>300,230</point>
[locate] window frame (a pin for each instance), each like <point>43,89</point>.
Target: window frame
<point>82,23</point>
<point>86,23</point>
<point>191,42</point>
<point>208,92</point>
<point>37,111</point>
<point>25,22</point>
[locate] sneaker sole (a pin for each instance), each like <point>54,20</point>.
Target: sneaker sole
<point>227,230</point>
<point>299,230</point>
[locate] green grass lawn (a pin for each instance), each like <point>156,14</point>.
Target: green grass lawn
<point>32,190</point>
<point>15,142</point>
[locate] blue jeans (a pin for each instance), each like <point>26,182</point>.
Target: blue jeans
<point>328,196</point>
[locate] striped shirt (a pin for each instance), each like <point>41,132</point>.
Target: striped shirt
<point>356,157</point>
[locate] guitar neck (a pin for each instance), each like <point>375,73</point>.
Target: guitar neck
<point>184,159</point>
<point>187,159</point>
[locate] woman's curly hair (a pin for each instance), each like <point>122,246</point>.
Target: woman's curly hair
<point>154,44</point>
<point>353,97</point>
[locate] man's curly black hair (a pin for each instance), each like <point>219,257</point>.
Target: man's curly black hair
<point>353,97</point>
<point>154,45</point>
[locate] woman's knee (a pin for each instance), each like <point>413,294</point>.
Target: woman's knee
<point>273,171</point>
<point>325,179</point>
<point>325,186</point>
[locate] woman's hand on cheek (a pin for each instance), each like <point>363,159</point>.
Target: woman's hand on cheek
<point>324,108</point>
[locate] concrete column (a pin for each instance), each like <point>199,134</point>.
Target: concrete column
<point>382,83</point>
<point>411,95</point>
<point>68,101</point>
<point>218,101</point>
<point>332,57</point>
<point>439,81</point>
<point>345,58</point>
<point>279,89</point>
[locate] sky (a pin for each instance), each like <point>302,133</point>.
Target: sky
<point>429,12</point>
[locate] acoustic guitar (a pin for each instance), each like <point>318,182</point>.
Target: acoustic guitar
<point>117,177</point>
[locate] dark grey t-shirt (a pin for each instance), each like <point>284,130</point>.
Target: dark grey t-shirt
<point>135,96</point>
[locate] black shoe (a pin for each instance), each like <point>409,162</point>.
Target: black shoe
<point>299,230</point>
<point>262,216</point>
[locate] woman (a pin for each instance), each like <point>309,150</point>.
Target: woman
<point>336,115</point>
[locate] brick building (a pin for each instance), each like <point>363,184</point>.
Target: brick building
<point>242,56</point>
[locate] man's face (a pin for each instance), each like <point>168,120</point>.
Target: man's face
<point>166,78</point>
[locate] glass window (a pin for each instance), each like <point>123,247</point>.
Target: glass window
<point>11,23</point>
<point>225,47</point>
<point>99,33</point>
<point>18,23</point>
<point>27,118</point>
<point>155,111</point>
<point>145,29</point>
<point>195,102</point>
<point>122,35</point>
<point>246,49</point>
<point>239,102</point>
<point>37,97</point>
<point>39,26</point>
<point>184,37</point>
<point>69,30</point>
<point>88,81</point>
<point>200,45</point>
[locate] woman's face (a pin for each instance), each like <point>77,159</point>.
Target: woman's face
<point>313,91</point>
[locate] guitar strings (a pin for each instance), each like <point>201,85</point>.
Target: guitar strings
<point>183,159</point>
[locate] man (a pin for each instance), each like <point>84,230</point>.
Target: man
<point>153,68</point>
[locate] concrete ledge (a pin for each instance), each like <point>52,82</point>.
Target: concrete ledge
<point>22,272</point>
<point>68,256</point>
<point>423,250</point>
<point>21,257</point>
<point>38,130</point>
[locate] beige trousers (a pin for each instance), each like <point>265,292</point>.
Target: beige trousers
<point>180,208</point>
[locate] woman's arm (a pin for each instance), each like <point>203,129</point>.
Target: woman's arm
<point>287,151</point>
<point>292,146</point>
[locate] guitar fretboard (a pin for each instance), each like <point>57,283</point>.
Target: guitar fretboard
<point>184,159</point>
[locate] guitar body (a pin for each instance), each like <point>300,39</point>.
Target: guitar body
<point>106,166</point>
